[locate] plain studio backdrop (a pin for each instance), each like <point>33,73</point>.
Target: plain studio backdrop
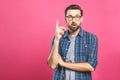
<point>27,27</point>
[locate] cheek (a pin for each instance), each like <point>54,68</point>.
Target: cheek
<point>78,22</point>
<point>69,22</point>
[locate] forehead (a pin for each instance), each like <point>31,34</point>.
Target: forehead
<point>73,12</point>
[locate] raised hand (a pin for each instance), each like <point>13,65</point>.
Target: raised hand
<point>59,30</point>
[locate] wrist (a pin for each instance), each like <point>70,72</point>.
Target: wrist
<point>56,39</point>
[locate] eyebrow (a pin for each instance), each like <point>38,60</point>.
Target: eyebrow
<point>75,15</point>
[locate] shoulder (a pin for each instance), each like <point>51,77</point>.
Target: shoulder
<point>91,35</point>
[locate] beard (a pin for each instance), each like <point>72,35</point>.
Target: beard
<point>74,27</point>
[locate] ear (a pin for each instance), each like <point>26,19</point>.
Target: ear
<point>81,19</point>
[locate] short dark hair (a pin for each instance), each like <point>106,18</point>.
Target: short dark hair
<point>74,6</point>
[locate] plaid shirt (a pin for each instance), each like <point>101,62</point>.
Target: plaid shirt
<point>86,50</point>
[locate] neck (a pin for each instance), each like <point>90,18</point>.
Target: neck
<point>74,33</point>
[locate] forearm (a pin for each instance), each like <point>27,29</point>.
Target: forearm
<point>78,66</point>
<point>53,57</point>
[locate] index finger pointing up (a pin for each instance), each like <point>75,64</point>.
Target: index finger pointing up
<point>57,24</point>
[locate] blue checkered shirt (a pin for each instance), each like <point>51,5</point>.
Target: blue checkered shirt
<point>86,50</point>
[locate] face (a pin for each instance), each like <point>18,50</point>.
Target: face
<point>73,19</point>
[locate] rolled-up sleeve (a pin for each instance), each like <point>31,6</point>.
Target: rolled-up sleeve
<point>93,52</point>
<point>52,41</point>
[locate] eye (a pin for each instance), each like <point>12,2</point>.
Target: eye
<point>77,16</point>
<point>69,16</point>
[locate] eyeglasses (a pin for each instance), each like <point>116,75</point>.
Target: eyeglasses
<point>70,18</point>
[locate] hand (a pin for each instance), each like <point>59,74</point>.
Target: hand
<point>59,30</point>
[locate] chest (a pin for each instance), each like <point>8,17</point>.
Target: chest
<point>81,49</point>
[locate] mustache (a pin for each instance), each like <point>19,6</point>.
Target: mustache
<point>73,24</point>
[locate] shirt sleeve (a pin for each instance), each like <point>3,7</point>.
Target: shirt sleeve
<point>93,52</point>
<point>52,41</point>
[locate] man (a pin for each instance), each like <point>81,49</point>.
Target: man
<point>74,52</point>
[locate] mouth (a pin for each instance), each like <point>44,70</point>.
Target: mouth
<point>73,26</point>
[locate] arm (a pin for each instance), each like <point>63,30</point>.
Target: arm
<point>84,66</point>
<point>53,57</point>
<point>76,66</point>
<point>79,66</point>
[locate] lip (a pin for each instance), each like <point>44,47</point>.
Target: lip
<point>74,26</point>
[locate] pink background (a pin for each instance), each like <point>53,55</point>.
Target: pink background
<point>27,26</point>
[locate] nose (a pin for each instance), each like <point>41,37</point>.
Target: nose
<point>73,20</point>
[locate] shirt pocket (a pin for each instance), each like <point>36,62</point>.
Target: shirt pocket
<point>83,50</point>
<point>82,54</point>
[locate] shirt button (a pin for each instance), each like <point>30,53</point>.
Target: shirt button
<point>85,45</point>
